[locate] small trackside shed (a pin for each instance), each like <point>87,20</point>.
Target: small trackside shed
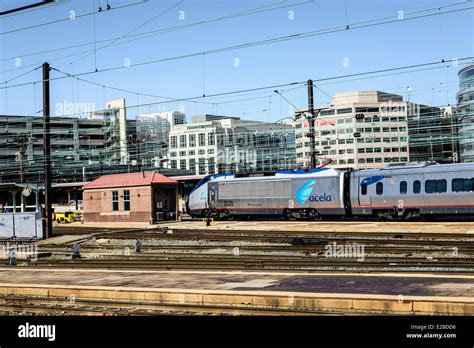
<point>130,197</point>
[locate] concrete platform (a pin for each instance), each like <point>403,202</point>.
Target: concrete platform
<point>334,293</point>
<point>466,227</point>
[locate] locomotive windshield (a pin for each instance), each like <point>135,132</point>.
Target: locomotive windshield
<point>203,181</point>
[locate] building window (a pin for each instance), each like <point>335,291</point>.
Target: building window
<point>115,201</point>
<point>174,142</point>
<point>211,139</point>
<point>192,152</point>
<point>202,166</point>
<point>202,139</point>
<point>174,164</point>
<point>435,186</point>
<point>212,167</point>
<point>182,164</point>
<point>182,141</point>
<point>192,140</point>
<point>220,139</point>
<point>379,188</point>
<point>403,187</point>
<point>192,165</point>
<point>201,152</point>
<point>327,112</point>
<point>126,200</point>
<point>344,111</point>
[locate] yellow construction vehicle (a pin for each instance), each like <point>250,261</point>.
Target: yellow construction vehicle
<point>65,217</point>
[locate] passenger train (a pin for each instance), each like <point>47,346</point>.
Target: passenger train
<point>410,191</point>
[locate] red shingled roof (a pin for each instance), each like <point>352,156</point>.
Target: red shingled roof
<point>129,179</point>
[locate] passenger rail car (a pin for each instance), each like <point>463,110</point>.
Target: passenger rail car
<point>424,189</point>
<point>397,192</point>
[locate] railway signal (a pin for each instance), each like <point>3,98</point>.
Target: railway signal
<point>359,116</point>
<point>138,246</point>
<point>12,257</point>
<point>76,249</point>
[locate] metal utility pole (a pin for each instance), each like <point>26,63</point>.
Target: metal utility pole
<point>21,141</point>
<point>47,153</point>
<point>311,117</point>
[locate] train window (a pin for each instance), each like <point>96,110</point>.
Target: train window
<point>462,185</point>
<point>403,187</point>
<point>435,186</point>
<point>457,185</point>
<point>363,189</point>
<point>379,188</point>
<point>441,186</point>
<point>416,186</point>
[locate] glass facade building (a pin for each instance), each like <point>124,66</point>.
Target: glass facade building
<point>465,113</point>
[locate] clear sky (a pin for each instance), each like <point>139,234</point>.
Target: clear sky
<point>404,42</point>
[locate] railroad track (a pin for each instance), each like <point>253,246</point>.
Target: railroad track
<point>269,250</point>
<point>301,237</point>
<point>52,305</point>
<point>276,248</point>
<point>225,262</point>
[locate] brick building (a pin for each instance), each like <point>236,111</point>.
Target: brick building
<point>131,197</point>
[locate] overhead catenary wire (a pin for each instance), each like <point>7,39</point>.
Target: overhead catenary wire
<point>45,6</point>
<point>126,34</point>
<point>116,88</point>
<point>273,40</point>
<point>135,37</point>
<point>339,77</point>
<point>138,2</point>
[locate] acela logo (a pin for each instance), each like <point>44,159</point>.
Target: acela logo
<point>304,193</point>
<point>37,331</point>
